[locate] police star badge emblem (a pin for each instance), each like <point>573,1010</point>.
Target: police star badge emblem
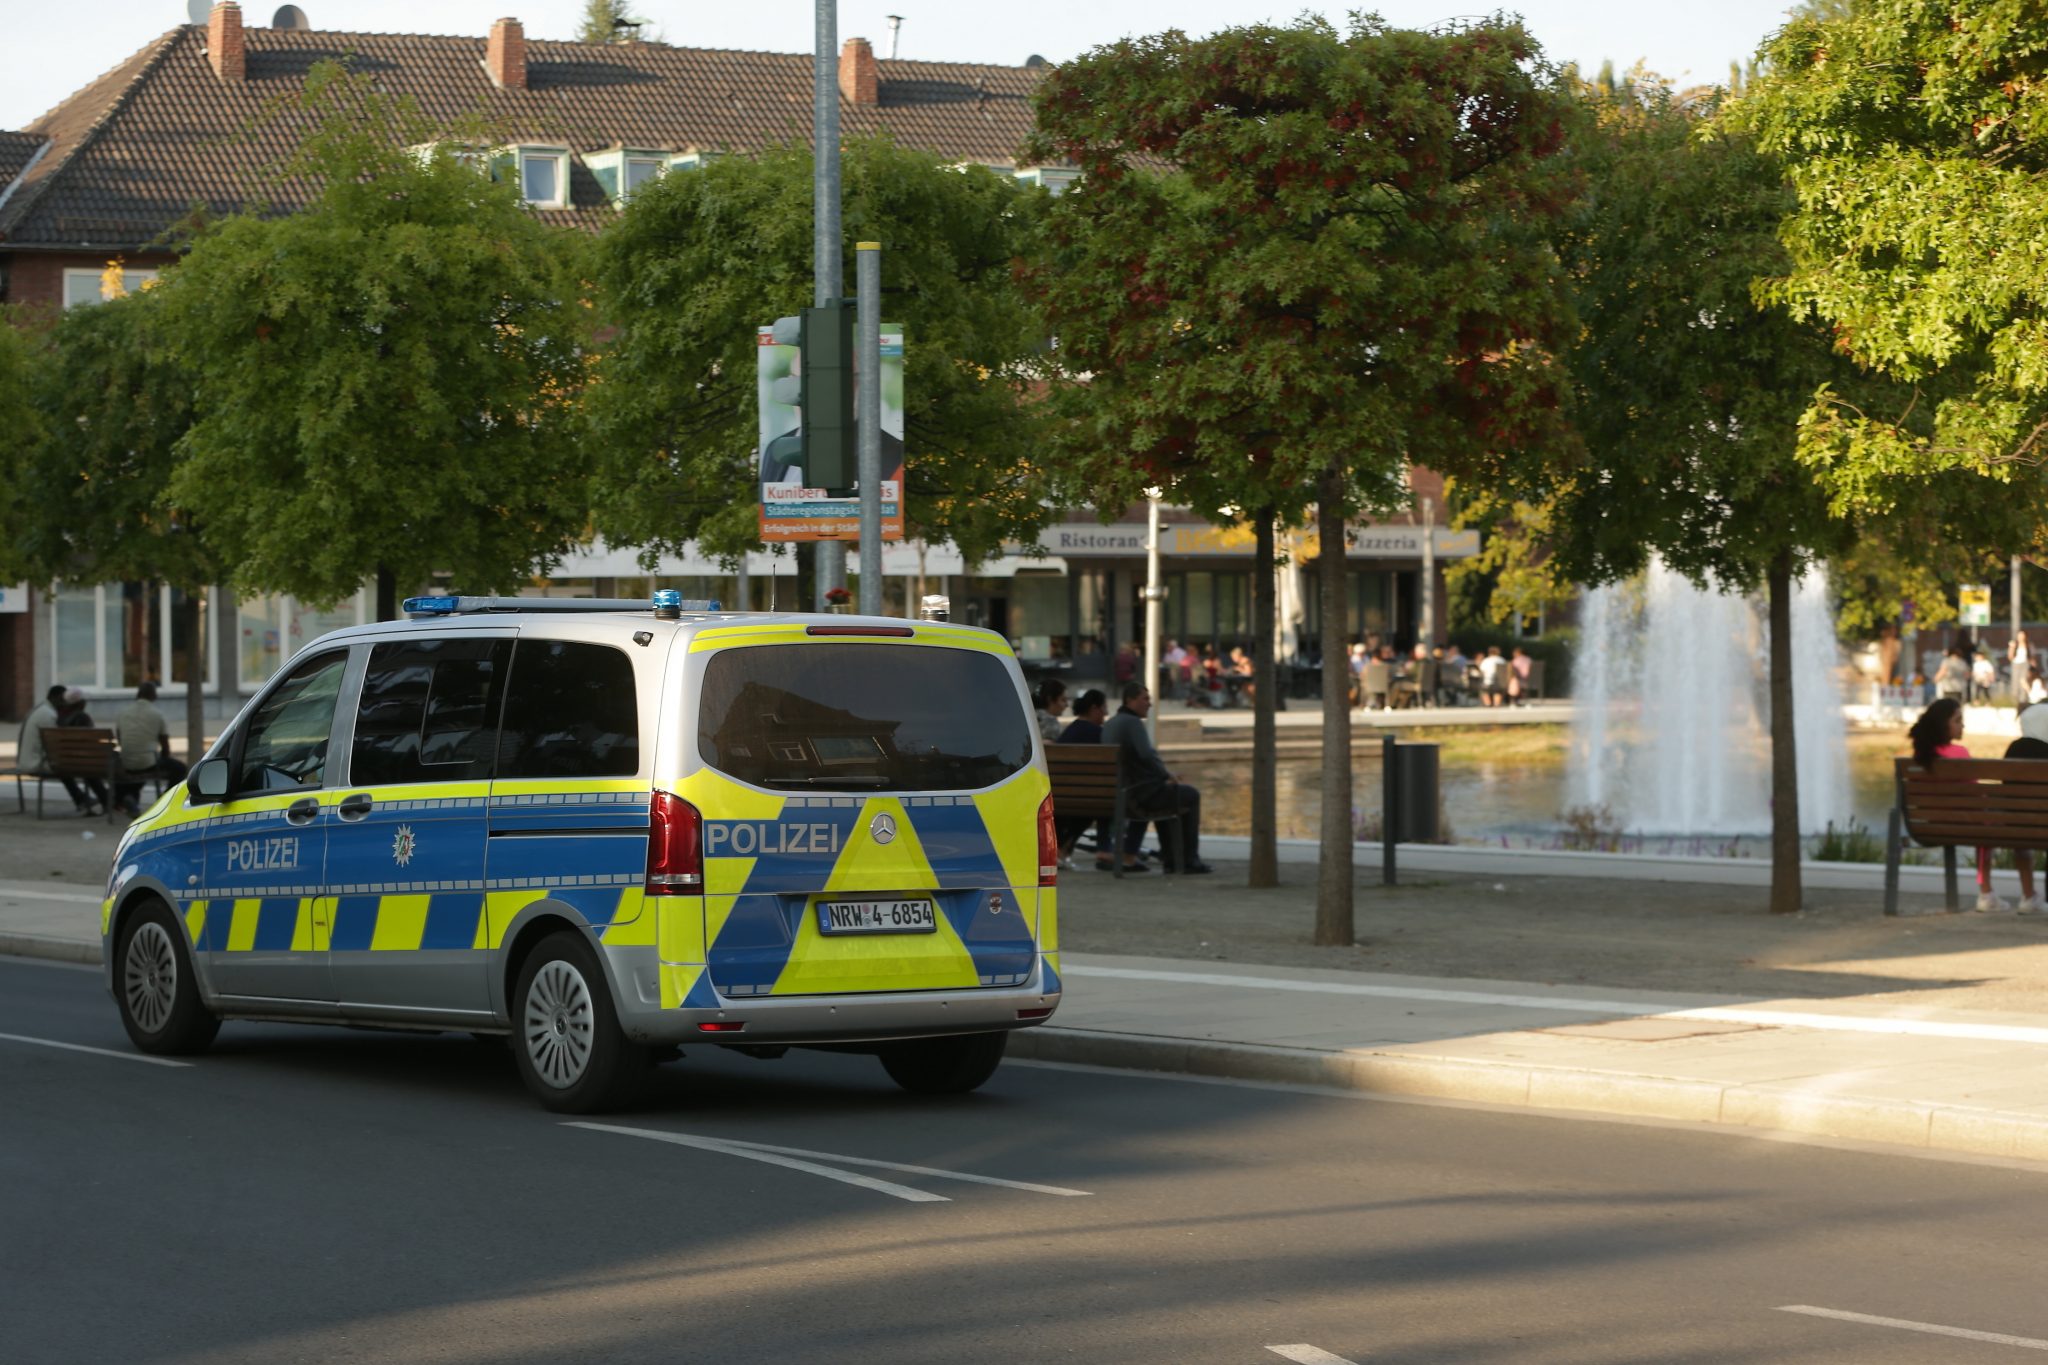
<point>402,845</point>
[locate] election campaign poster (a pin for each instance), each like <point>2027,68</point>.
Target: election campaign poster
<point>792,511</point>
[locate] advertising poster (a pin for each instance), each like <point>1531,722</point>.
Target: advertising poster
<point>790,511</point>
<point>1974,606</point>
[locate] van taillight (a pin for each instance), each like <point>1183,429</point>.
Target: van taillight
<point>1048,845</point>
<point>675,847</point>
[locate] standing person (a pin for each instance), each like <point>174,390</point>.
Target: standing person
<point>144,739</point>
<point>1123,667</point>
<point>30,756</point>
<point>1937,735</point>
<point>1520,669</point>
<point>1952,679</point>
<point>1983,678</point>
<point>1153,788</point>
<point>1173,664</point>
<point>1052,699</point>
<point>2019,664</point>
<point>2032,743</point>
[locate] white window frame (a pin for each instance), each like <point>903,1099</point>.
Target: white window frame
<point>560,157</point>
<point>100,688</point>
<point>626,165</point>
<point>135,278</point>
<point>287,649</point>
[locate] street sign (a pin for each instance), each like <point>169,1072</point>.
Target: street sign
<point>793,507</point>
<point>13,598</point>
<point>1973,605</point>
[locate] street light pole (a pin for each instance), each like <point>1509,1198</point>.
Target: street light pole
<point>867,407</point>
<point>1155,592</point>
<point>829,281</point>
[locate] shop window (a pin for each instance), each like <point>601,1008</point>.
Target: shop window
<point>113,637</point>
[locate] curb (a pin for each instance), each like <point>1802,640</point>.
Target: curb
<point>1780,1108</point>
<point>51,949</point>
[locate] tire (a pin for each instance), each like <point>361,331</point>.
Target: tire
<point>155,987</point>
<point>566,1038</point>
<point>944,1066</point>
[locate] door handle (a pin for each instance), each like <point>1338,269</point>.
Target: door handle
<point>302,811</point>
<point>354,807</point>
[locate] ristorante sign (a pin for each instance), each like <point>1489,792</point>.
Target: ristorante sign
<point>1084,540</point>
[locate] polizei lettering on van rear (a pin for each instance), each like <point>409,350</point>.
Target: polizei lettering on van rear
<point>278,854</point>
<point>741,838</point>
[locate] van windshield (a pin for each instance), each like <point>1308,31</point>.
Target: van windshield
<point>862,718</point>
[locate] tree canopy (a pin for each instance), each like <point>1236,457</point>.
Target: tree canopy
<point>387,378</point>
<point>1913,134</point>
<point>700,259</point>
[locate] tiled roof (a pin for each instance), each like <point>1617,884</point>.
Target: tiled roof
<point>136,150</point>
<point>17,150</point>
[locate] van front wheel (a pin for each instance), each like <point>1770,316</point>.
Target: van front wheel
<point>944,1066</point>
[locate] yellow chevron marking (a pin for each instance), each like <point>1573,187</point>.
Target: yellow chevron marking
<point>718,797</point>
<point>195,920</point>
<point>1011,814</point>
<point>679,925</point>
<point>676,982</point>
<point>1048,920</point>
<point>401,923</point>
<point>1053,960</point>
<point>106,915</point>
<point>629,925</point>
<point>302,928</point>
<point>827,964</point>
<point>242,928</point>
<point>501,908</point>
<point>866,866</point>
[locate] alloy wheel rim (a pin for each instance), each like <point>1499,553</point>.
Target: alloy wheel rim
<point>150,977</point>
<point>558,1027</point>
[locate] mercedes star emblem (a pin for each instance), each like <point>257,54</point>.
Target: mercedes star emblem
<point>883,827</point>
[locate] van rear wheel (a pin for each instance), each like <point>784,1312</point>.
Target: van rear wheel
<point>566,1038</point>
<point>944,1066</point>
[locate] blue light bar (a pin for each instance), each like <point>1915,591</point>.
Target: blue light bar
<point>431,606</point>
<point>670,598</point>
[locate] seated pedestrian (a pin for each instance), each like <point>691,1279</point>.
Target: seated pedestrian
<point>31,757</point>
<point>1091,708</point>
<point>1153,789</point>
<point>1052,699</point>
<point>1493,677</point>
<point>2032,743</point>
<point>1937,735</point>
<point>144,740</point>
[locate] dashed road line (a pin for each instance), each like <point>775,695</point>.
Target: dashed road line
<point>1308,1355</point>
<point>95,1051</point>
<point>1907,1325</point>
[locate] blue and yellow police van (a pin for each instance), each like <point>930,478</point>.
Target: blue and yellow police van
<point>605,829</point>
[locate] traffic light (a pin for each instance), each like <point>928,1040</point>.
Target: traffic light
<point>824,444</point>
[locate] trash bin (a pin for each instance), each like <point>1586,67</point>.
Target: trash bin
<point>1415,793</point>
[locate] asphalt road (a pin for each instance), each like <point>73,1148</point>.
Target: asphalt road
<point>301,1194</point>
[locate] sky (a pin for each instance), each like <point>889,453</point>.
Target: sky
<point>54,48</point>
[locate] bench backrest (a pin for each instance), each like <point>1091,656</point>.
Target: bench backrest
<point>1084,778</point>
<point>77,750</point>
<point>1984,802</point>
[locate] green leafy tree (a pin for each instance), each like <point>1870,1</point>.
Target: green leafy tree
<point>1296,260</point>
<point>88,501</point>
<point>702,259</point>
<point>384,382</point>
<point>19,356</point>
<point>1913,133</point>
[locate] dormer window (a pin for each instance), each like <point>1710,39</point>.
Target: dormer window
<point>1056,179</point>
<point>544,177</point>
<point>641,169</point>
<point>692,161</point>
<point>623,170</point>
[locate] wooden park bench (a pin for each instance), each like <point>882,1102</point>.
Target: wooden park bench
<point>1087,784</point>
<point>84,752</point>
<point>1964,803</point>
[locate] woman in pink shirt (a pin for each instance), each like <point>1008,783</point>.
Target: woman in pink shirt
<point>1936,736</point>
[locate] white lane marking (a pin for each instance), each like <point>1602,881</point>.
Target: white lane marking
<point>1738,1014</point>
<point>38,894</point>
<point>13,961</point>
<point>1932,1328</point>
<point>1308,1355</point>
<point>727,1148</point>
<point>96,1051</point>
<point>908,1170</point>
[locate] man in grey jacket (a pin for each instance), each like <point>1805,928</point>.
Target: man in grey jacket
<point>1153,788</point>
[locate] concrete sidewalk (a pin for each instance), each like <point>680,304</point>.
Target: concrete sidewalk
<point>1879,1066</point>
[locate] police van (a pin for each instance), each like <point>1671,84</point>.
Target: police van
<point>605,829</point>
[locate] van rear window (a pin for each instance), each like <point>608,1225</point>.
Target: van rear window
<point>862,718</point>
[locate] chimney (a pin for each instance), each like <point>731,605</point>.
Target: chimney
<point>860,80</point>
<point>224,48</point>
<point>505,58</point>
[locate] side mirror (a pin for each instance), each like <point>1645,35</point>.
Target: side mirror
<point>209,780</point>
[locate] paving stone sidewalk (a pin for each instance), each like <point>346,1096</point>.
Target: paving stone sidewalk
<point>1673,1002</point>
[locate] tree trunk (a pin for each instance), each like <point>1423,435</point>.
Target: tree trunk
<point>1265,869</point>
<point>195,675</point>
<point>1785,891</point>
<point>1333,885</point>
<point>387,594</point>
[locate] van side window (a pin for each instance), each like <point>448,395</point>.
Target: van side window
<point>429,711</point>
<point>286,743</point>
<point>570,712</point>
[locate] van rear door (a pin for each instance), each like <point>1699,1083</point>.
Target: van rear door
<point>870,812</point>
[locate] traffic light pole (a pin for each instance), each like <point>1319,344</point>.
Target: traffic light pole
<point>867,407</point>
<point>829,281</point>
